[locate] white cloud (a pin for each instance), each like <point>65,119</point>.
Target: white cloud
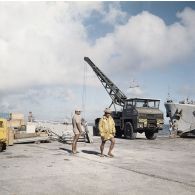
<point>48,47</point>
<point>145,41</point>
<point>83,9</point>
<point>135,92</point>
<point>43,44</point>
<point>186,17</point>
<point>45,103</point>
<point>114,15</point>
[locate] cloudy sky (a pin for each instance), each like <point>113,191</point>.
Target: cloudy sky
<point>42,46</point>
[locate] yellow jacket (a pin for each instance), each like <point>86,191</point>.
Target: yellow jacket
<point>107,127</point>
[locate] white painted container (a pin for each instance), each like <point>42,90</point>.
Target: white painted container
<point>30,127</point>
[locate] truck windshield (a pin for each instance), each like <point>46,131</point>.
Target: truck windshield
<point>147,103</point>
<point>139,103</point>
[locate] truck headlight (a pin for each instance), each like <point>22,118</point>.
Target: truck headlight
<point>160,121</point>
<point>141,125</point>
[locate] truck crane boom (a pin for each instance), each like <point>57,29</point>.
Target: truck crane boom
<point>117,96</point>
<point>137,114</point>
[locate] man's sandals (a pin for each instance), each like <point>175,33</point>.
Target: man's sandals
<point>109,155</point>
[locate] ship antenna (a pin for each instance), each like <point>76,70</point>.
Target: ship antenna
<point>134,84</point>
<point>169,96</point>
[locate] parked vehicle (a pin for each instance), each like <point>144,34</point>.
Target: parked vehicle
<point>137,115</point>
<point>3,134</point>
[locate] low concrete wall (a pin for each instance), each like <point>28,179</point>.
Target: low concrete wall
<point>60,129</point>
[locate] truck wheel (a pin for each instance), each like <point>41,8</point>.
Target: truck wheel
<point>150,135</point>
<point>1,147</point>
<point>129,133</point>
<point>95,131</point>
<point>118,132</point>
<point>4,146</point>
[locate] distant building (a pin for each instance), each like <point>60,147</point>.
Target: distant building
<point>30,117</point>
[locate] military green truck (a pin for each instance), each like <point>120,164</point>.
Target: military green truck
<point>137,115</point>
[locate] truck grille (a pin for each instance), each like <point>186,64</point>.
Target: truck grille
<point>151,116</point>
<point>152,123</point>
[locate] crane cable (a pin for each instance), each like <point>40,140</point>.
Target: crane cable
<point>84,90</point>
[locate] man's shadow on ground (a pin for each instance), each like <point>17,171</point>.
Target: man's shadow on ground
<point>91,152</point>
<point>67,150</point>
<point>84,151</point>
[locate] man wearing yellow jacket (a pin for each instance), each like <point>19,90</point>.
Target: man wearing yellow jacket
<point>107,131</point>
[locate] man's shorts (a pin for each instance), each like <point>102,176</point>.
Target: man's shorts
<point>107,137</point>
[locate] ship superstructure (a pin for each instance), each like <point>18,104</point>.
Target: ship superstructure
<point>182,114</point>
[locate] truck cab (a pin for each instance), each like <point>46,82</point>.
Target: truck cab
<point>141,115</point>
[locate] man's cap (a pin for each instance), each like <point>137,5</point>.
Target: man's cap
<point>107,110</point>
<point>77,109</point>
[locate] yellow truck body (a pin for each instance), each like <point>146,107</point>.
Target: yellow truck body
<point>3,134</point>
<point>6,134</point>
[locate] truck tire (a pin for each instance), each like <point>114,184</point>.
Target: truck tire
<point>118,132</point>
<point>1,147</point>
<point>4,146</point>
<point>150,135</point>
<point>95,131</point>
<point>129,131</point>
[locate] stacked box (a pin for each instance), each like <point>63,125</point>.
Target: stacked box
<point>10,137</point>
<point>16,123</point>
<point>17,120</point>
<point>17,116</point>
<point>19,135</point>
<point>30,128</point>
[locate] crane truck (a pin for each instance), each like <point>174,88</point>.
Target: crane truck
<point>137,115</point>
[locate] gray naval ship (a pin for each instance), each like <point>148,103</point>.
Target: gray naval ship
<point>182,115</point>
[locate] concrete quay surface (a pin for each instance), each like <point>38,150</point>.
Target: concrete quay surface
<point>141,166</point>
